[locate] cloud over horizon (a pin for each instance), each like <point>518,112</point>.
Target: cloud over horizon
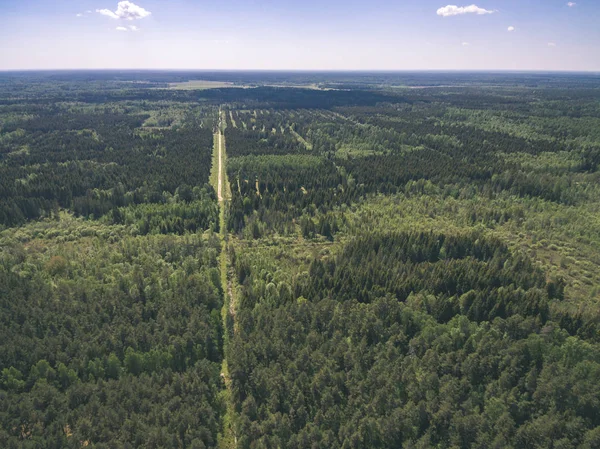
<point>453,10</point>
<point>125,10</point>
<point>127,28</point>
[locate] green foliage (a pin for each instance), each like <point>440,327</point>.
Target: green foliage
<point>93,163</point>
<point>406,268</point>
<point>102,346</point>
<point>363,364</point>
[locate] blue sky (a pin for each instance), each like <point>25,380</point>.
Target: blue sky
<point>307,34</point>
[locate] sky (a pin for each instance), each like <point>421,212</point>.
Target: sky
<point>301,34</point>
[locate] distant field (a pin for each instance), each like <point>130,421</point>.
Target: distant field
<point>299,86</point>
<point>200,84</point>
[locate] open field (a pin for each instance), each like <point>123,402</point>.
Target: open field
<point>200,85</point>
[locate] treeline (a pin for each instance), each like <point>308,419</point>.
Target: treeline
<point>111,345</point>
<point>95,163</point>
<point>388,174</point>
<point>409,340</point>
<point>332,374</point>
<point>54,119</point>
<point>271,192</point>
<point>274,97</point>
<point>110,331</point>
<point>387,146</point>
<point>174,217</point>
<point>244,142</point>
<point>466,275</point>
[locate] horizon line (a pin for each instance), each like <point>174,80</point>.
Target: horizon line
<point>304,70</point>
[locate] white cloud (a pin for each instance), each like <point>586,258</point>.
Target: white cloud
<point>465,44</point>
<point>121,29</point>
<point>551,44</point>
<point>571,4</point>
<point>107,12</point>
<point>133,28</point>
<point>79,15</point>
<point>125,10</point>
<point>453,10</point>
<point>511,28</point>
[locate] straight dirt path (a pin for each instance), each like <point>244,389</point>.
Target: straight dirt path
<point>233,123</point>
<point>220,178</point>
<point>227,438</point>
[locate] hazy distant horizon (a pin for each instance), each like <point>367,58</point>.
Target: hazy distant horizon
<point>313,35</point>
<point>357,71</point>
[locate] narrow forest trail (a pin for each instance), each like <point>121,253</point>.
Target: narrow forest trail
<point>227,436</point>
<point>224,195</point>
<point>220,174</point>
<point>300,139</point>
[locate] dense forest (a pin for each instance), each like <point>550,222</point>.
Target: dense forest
<point>383,261</point>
